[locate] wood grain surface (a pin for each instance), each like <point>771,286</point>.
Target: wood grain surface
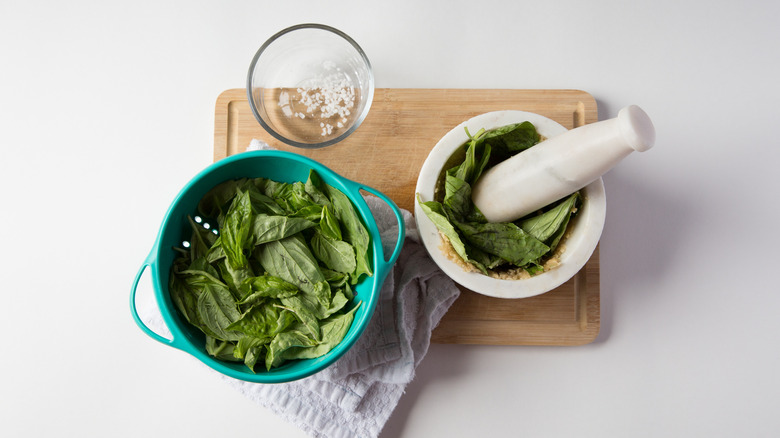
<point>387,151</point>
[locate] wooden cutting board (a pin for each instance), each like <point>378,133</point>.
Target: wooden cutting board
<point>387,151</point>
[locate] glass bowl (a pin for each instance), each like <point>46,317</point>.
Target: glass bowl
<point>310,86</point>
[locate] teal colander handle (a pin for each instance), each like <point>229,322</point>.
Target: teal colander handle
<point>148,263</point>
<point>383,266</point>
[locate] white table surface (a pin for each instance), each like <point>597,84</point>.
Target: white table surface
<point>107,109</point>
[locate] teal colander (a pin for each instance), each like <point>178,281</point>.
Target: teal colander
<point>279,166</point>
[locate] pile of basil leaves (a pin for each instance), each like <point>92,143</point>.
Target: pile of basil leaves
<point>277,282</point>
<point>526,243</point>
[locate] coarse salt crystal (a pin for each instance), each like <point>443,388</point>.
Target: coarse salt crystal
<point>324,97</point>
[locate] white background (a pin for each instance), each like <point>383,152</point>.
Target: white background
<point>107,110</point>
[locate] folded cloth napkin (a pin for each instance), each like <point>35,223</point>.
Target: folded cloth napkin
<point>356,395</point>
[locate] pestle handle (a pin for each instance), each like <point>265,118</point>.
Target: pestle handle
<point>561,165</point>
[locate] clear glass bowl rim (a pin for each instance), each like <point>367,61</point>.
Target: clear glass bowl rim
<point>368,98</point>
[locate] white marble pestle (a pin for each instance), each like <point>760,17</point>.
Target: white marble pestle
<point>561,165</point>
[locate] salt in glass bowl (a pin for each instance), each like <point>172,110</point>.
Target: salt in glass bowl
<point>310,86</point>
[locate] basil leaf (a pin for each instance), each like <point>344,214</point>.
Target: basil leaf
<point>339,283</point>
<point>269,228</point>
<point>223,350</point>
<point>477,157</point>
<point>201,266</point>
<point>323,294</point>
<point>255,289</point>
<point>264,204</point>
<point>280,193</point>
<point>234,278</point>
<point>246,343</point>
<point>335,328</point>
<point>436,214</point>
<point>263,322</point>
<point>329,224</point>
<point>316,188</point>
<point>187,286</point>
<point>251,350</point>
<point>511,139</point>
<point>306,315</point>
<point>271,188</point>
<point>334,279</point>
<point>291,260</point>
<point>505,240</point>
<point>236,231</point>
<point>215,202</point>
<point>298,197</point>
<point>197,276</point>
<point>216,252</point>
<point>291,197</point>
<point>321,303</point>
<point>550,225</point>
<point>253,355</point>
<point>482,260</point>
<point>335,254</point>
<point>339,300</point>
<point>285,346</point>
<point>458,196</point>
<point>185,299</point>
<point>296,345</point>
<point>217,310</point>
<point>347,291</point>
<point>354,232</point>
<point>312,212</point>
